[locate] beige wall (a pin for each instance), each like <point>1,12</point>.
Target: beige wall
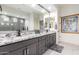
<point>64,11</point>
<point>69,9</point>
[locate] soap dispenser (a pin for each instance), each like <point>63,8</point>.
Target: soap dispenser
<point>19,32</point>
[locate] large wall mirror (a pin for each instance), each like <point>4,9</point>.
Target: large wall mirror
<point>11,23</point>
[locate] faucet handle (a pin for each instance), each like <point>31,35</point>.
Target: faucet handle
<point>7,35</point>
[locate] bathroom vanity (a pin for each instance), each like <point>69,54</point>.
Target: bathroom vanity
<point>35,44</point>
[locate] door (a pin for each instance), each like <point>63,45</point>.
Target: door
<point>31,49</point>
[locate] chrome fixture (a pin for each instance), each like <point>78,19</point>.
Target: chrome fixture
<point>0,8</point>
<point>43,8</point>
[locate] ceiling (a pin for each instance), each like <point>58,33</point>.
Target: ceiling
<point>49,7</point>
<point>29,8</point>
<point>23,7</point>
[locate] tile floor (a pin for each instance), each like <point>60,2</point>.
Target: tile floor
<point>68,50</point>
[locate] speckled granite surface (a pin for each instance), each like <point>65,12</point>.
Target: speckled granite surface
<point>9,40</point>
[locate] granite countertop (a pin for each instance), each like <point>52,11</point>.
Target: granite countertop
<point>9,40</point>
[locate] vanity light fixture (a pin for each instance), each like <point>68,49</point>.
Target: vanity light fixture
<point>44,8</point>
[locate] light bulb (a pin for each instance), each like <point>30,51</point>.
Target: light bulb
<point>7,23</point>
<point>43,11</point>
<point>33,5</point>
<point>14,19</point>
<point>2,23</point>
<point>11,24</point>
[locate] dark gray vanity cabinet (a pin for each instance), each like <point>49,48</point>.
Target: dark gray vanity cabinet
<point>41,45</point>
<point>50,40</point>
<point>33,46</point>
<point>54,38</point>
<point>47,41</point>
<point>31,49</point>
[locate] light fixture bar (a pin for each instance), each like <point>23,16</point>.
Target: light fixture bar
<point>0,8</point>
<point>43,8</point>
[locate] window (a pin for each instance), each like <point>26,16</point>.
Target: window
<point>69,23</point>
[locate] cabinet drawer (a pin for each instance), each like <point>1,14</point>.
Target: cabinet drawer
<point>17,52</point>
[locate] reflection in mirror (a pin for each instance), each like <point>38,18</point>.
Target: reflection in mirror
<point>5,18</point>
<point>7,24</point>
<point>12,24</point>
<point>14,19</point>
<point>2,23</point>
<point>21,21</point>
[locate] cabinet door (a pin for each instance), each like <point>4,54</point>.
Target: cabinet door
<point>54,38</point>
<point>41,43</point>
<point>16,52</point>
<point>41,46</point>
<point>31,49</point>
<point>51,40</point>
<point>47,41</point>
